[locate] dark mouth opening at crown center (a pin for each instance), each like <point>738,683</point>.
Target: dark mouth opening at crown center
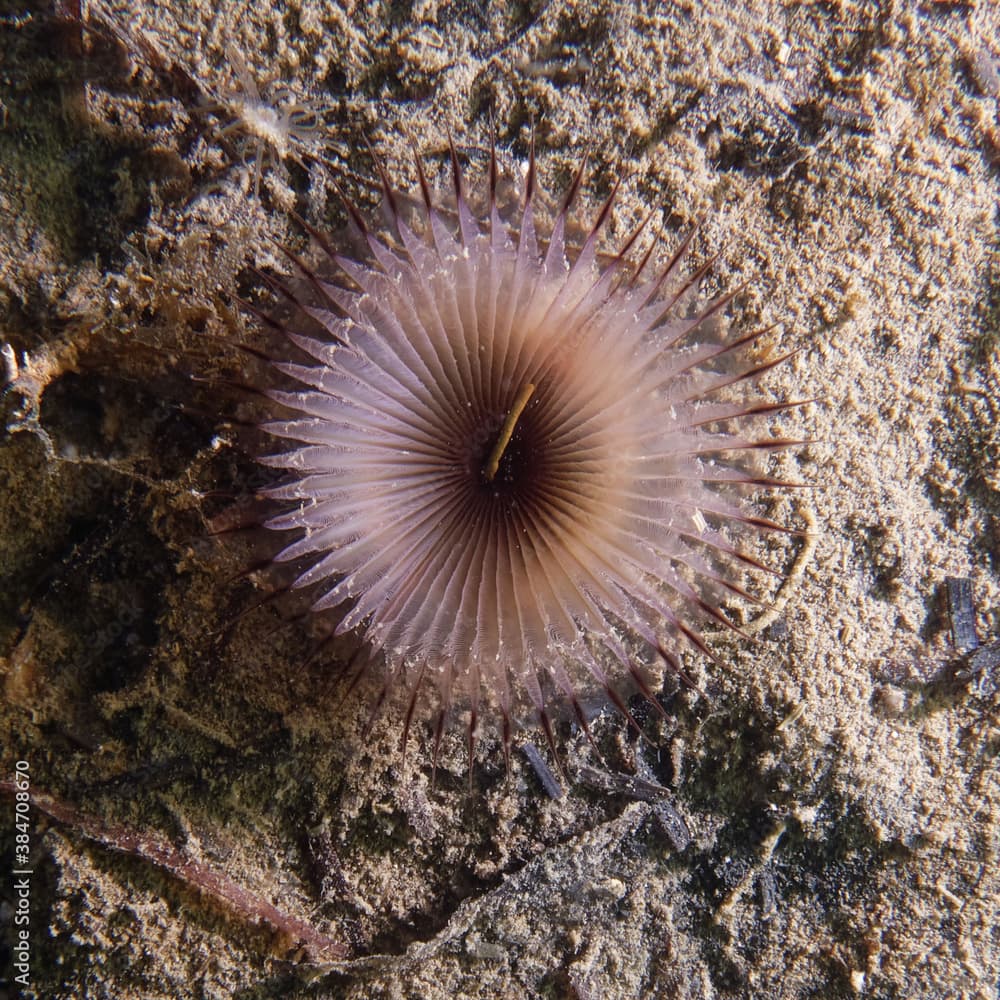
<point>506,459</point>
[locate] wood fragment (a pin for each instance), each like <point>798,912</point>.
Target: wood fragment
<point>621,784</point>
<point>542,770</point>
<point>768,895</point>
<point>962,613</point>
<point>670,821</point>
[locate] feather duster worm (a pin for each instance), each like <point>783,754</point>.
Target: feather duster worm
<point>510,463</point>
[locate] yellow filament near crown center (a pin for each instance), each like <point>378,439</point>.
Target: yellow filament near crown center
<point>507,431</point>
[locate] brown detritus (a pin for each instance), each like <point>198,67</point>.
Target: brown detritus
<point>293,933</point>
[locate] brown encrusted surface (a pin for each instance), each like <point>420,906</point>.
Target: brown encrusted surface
<point>842,785</point>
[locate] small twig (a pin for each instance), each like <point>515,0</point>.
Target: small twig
<point>962,613</point>
<point>507,431</point>
<point>318,947</point>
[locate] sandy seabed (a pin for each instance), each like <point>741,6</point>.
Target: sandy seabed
<point>206,822</point>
